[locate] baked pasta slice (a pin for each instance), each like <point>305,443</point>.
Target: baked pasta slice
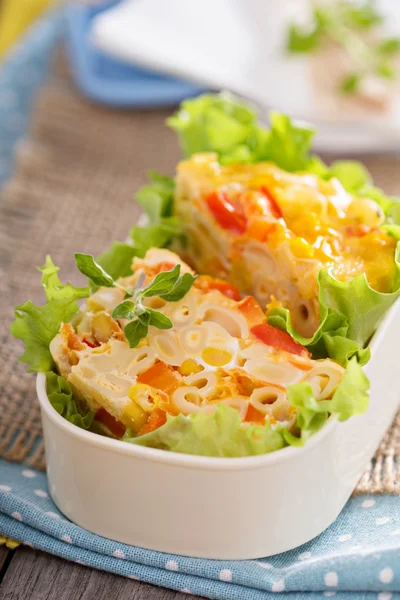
<point>219,353</point>
<point>270,232</point>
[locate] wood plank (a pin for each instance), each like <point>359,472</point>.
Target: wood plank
<point>4,555</point>
<point>34,575</point>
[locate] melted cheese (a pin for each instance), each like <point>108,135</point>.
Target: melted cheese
<point>320,220</point>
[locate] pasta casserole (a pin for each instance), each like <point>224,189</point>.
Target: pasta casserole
<point>270,232</point>
<point>237,320</point>
<point>220,352</point>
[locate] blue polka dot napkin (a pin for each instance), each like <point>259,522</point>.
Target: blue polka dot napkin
<point>358,557</point>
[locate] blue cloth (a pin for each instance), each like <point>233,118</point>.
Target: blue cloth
<point>361,551</point>
<point>21,73</point>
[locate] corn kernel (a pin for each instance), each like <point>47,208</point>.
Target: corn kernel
<point>145,396</point>
<point>300,248</point>
<point>134,417</point>
<point>216,357</point>
<point>366,211</point>
<point>189,366</point>
<point>103,326</point>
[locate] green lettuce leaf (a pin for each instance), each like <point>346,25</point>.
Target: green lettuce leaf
<point>117,260</point>
<point>223,434</point>
<point>60,395</point>
<point>392,230</point>
<point>226,125</point>
<point>219,434</point>
<point>214,123</point>
<point>352,175</point>
<point>157,197</point>
<point>311,415</point>
<point>157,235</point>
<point>53,288</point>
<point>349,314</point>
<point>288,143</point>
<point>36,326</point>
<point>351,398</point>
<point>362,306</point>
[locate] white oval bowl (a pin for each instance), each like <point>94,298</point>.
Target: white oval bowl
<point>219,508</point>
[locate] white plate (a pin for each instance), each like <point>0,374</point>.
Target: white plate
<point>221,508</point>
<point>237,45</point>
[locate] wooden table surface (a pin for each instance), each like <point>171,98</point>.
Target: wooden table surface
<point>27,574</point>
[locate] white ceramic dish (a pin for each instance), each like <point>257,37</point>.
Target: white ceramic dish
<point>221,508</point>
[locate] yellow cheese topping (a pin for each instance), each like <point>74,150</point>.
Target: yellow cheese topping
<point>319,219</point>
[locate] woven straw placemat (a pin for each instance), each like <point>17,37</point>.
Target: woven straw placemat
<point>72,190</point>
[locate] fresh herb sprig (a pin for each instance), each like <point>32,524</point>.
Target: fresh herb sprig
<point>346,23</point>
<point>171,286</point>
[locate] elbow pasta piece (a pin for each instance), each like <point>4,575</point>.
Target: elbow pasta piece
<point>264,398</point>
<point>193,339</point>
<point>142,359</point>
<point>204,381</point>
<point>166,346</point>
<point>273,372</point>
<point>324,378</point>
<point>233,322</point>
<point>184,312</point>
<point>188,400</point>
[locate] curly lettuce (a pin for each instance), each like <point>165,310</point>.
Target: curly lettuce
<point>220,434</point>
<point>117,260</point>
<point>351,398</point>
<point>156,199</point>
<point>223,433</point>
<point>60,395</point>
<point>350,312</point>
<point>36,326</point>
<point>224,124</point>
